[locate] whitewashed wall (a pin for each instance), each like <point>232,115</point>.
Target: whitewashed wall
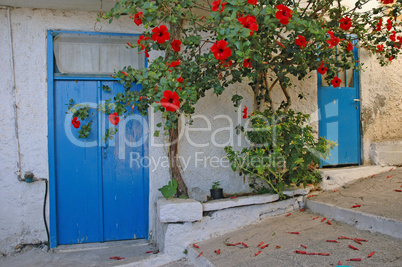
<point>21,203</point>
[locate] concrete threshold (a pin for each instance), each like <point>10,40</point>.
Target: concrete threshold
<point>105,245</point>
<point>361,220</point>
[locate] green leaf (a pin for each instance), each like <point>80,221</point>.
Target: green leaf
<point>156,133</point>
<point>169,190</point>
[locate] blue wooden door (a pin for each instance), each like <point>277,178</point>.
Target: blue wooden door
<point>339,117</point>
<point>101,192</point>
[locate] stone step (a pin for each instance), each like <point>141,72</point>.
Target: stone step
<point>361,220</point>
<point>372,203</point>
<point>313,233</point>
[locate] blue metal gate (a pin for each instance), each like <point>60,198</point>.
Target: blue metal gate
<point>339,117</point>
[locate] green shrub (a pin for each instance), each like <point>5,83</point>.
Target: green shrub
<point>283,150</point>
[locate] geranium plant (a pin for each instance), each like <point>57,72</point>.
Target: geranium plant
<point>210,45</point>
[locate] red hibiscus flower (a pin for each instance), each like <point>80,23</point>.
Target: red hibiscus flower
<point>386,2</point>
<point>114,118</point>
<point>247,63</point>
<point>76,123</point>
<point>138,18</point>
<point>379,24</point>
<point>249,22</point>
<point>349,47</point>
<point>391,57</point>
<point>170,101</point>
<point>174,64</point>
<point>334,41</point>
<point>322,70</point>
<point>245,112</point>
<point>301,41</point>
<point>176,45</point>
<point>389,24</point>
<point>380,47</point>
<point>283,14</point>
<point>393,36</point>
<point>346,23</point>
<point>180,80</point>
<point>336,82</point>
<point>227,64</point>
<point>160,34</point>
<point>253,2</point>
<point>221,51</point>
<point>142,39</point>
<point>146,53</point>
<point>216,4</point>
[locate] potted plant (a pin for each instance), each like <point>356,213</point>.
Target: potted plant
<point>216,191</point>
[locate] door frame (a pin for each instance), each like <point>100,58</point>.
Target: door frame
<point>51,78</point>
<point>356,81</point>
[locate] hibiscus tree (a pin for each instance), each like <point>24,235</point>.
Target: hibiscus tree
<point>210,45</point>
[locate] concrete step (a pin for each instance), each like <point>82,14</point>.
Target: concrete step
<point>313,233</point>
<point>378,203</point>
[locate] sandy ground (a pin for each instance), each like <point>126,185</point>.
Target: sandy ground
<point>313,234</point>
<point>375,194</point>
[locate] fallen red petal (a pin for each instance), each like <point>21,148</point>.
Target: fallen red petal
<point>300,252</point>
<point>315,218</point>
<point>302,209</point>
<point>199,255</point>
<point>328,222</point>
<point>194,245</point>
<point>356,206</point>
<point>352,247</point>
<point>260,244</point>
<point>361,240</point>
<point>116,258</point>
<point>218,252</point>
<point>357,259</point>
<point>232,197</point>
<point>262,247</point>
<point>257,253</point>
<point>323,219</point>
<point>398,190</point>
<point>288,214</point>
<point>372,175</point>
<point>324,254</point>
<point>244,244</point>
<point>294,233</point>
<point>344,237</point>
<point>333,241</point>
<point>303,246</point>
<point>311,253</point>
<point>389,176</point>
<point>339,263</point>
<point>336,190</point>
<point>149,251</point>
<point>357,241</point>
<point>371,254</point>
<point>391,169</point>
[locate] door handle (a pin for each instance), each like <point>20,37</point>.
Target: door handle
<point>356,100</point>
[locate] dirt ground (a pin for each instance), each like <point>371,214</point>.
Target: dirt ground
<point>376,195</point>
<point>313,235</point>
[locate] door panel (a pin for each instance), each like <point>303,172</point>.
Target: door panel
<point>124,176</point>
<point>101,195</point>
<point>77,169</point>
<point>339,123</point>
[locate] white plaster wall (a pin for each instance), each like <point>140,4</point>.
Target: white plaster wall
<point>21,203</point>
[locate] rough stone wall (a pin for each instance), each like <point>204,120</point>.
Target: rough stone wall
<point>381,98</point>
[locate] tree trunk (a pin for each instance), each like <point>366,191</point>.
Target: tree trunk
<point>175,162</point>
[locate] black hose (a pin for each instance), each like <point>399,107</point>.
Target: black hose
<point>44,215</point>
